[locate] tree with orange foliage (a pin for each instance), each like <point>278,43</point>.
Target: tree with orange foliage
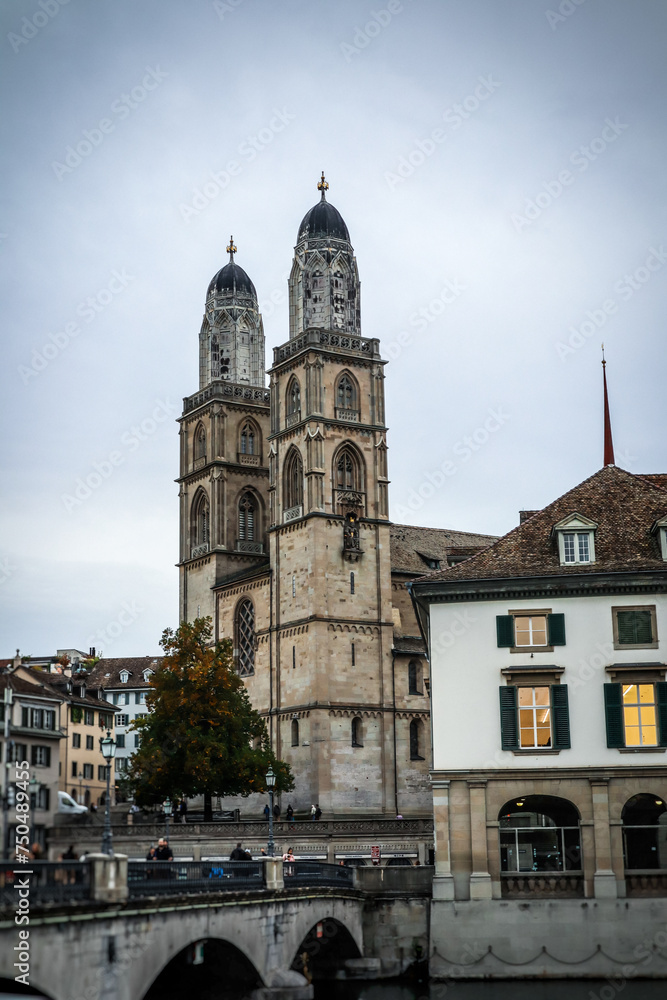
<point>201,735</point>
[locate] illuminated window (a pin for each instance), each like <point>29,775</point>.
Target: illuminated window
<point>639,717</point>
<point>534,717</point>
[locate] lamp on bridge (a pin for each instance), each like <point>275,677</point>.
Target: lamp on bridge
<point>166,805</point>
<point>108,748</point>
<point>270,784</point>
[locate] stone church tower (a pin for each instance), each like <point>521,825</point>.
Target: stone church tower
<point>224,468</point>
<point>285,537</point>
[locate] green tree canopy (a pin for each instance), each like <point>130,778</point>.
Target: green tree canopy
<point>201,735</point>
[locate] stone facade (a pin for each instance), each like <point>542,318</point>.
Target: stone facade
<point>286,541</point>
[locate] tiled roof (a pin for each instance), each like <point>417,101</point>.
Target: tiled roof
<point>409,644</point>
<point>56,684</point>
<point>412,546</point>
<point>21,686</point>
<point>625,508</point>
<point>106,673</point>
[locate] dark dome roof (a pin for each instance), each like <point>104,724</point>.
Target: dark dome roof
<point>323,220</point>
<point>232,278</point>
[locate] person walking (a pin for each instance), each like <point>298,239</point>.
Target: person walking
<point>238,854</point>
<point>267,812</point>
<point>313,810</point>
<point>289,816</point>
<point>318,813</point>
<point>276,812</point>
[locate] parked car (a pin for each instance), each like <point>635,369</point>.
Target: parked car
<point>68,807</point>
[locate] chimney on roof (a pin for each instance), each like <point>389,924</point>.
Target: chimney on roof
<point>525,514</point>
<point>91,652</point>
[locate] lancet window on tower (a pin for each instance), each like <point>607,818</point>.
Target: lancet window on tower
<point>200,524</point>
<point>245,638</point>
<point>248,440</point>
<point>200,442</point>
<point>293,400</point>
<point>247,517</point>
<point>347,470</point>
<point>346,393</point>
<point>293,480</point>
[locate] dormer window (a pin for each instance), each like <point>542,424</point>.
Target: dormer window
<point>147,675</point>
<point>124,677</point>
<point>576,540</point>
<point>660,529</point>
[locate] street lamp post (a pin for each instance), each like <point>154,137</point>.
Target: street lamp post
<point>270,784</point>
<point>108,747</point>
<point>167,809</point>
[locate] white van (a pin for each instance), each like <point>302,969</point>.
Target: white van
<point>68,807</point>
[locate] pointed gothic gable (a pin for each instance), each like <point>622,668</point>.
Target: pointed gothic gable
<point>623,506</point>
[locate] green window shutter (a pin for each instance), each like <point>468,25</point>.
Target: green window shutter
<point>661,711</point>
<point>560,726</point>
<point>613,710</point>
<point>509,728</point>
<point>556,628</point>
<point>634,627</point>
<point>505,630</point>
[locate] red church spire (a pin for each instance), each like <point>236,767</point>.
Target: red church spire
<point>608,442</point>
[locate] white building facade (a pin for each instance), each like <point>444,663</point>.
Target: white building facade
<point>549,717</point>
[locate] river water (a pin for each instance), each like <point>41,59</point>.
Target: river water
<point>570,989</point>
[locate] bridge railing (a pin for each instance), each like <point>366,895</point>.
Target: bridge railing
<point>46,882</point>
<point>316,873</point>
<point>147,878</point>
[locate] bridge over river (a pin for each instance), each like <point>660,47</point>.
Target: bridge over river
<point>107,929</point>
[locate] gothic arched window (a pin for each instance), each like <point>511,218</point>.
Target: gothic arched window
<point>201,524</point>
<point>357,734</point>
<point>346,393</point>
<point>415,740</point>
<point>414,677</point>
<point>293,397</point>
<point>295,733</point>
<point>245,638</point>
<point>247,517</point>
<point>347,470</point>
<point>293,480</point>
<point>249,442</point>
<point>200,442</point>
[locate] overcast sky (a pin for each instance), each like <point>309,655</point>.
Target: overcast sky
<point>500,165</point>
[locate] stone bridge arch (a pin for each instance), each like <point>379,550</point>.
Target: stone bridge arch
<point>120,955</point>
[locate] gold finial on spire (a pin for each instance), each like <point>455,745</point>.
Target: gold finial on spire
<point>322,186</point>
<point>231,249</point>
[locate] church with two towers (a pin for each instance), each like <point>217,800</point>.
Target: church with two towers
<point>285,538</point>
